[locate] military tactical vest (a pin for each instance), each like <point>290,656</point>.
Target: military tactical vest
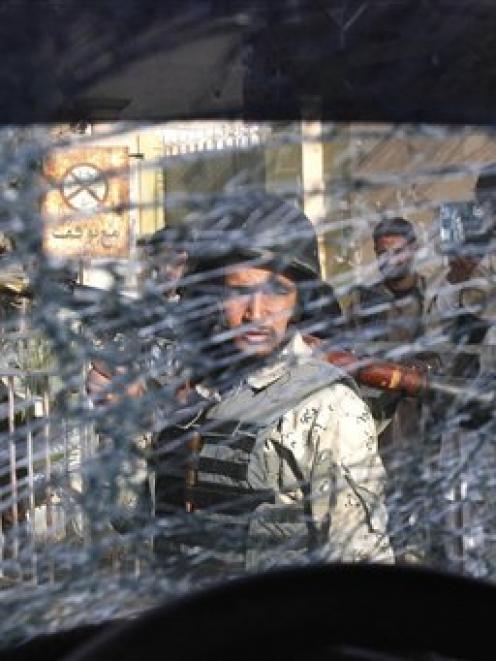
<point>237,512</point>
<point>388,316</point>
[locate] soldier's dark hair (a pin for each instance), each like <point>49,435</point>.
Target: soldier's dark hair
<point>395,227</point>
<point>485,185</point>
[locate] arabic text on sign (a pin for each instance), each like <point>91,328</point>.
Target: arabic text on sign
<point>77,232</point>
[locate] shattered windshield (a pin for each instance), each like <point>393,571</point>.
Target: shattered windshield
<point>230,346</point>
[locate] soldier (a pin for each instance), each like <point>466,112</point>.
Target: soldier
<point>155,315</point>
<point>275,456</point>
<point>143,361</point>
<point>461,305</point>
<point>392,310</point>
<point>162,264</point>
<point>462,312</point>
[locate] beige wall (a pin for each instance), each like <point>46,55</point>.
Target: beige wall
<point>409,174</point>
<point>146,147</point>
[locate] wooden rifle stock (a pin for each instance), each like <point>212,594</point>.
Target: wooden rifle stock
<point>381,374</point>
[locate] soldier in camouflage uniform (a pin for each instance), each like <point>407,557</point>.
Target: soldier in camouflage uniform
<point>274,459</point>
<point>392,310</point>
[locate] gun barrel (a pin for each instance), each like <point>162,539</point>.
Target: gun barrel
<point>463,389</point>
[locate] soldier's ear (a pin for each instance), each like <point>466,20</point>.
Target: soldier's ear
<point>220,323</point>
<point>300,307</point>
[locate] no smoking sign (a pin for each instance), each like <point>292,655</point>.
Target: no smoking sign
<point>86,210</point>
<point>84,187</point>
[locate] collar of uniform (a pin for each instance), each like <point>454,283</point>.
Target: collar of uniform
<point>294,351</point>
<point>417,290</point>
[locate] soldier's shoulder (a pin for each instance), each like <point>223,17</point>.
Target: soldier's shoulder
<point>340,395</point>
<point>365,296</point>
<point>314,374</point>
<point>345,400</point>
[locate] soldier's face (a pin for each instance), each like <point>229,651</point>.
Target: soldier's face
<point>260,303</point>
<point>396,256</point>
<point>169,268</point>
<point>172,266</point>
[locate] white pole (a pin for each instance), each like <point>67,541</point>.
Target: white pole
<point>312,166</point>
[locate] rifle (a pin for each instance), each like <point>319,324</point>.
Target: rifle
<point>395,377</point>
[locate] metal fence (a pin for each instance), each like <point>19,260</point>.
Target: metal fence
<point>41,460</point>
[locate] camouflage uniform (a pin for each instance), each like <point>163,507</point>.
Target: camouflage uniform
<point>463,312</point>
<point>381,315</point>
<point>388,316</point>
<point>289,470</point>
<point>274,460</point>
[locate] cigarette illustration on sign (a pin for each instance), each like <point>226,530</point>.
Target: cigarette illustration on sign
<point>86,210</point>
<point>84,187</point>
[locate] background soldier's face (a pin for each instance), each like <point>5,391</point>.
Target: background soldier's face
<point>396,256</point>
<point>166,268</point>
<point>260,303</point>
<point>172,266</point>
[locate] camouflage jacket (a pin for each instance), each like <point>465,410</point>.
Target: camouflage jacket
<point>290,462</point>
<point>464,313</point>
<point>382,315</point>
<point>377,314</point>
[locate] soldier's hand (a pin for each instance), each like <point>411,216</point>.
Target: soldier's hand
<point>460,269</point>
<point>99,383</point>
<point>100,386</point>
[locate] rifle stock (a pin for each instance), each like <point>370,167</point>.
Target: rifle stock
<point>395,377</point>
